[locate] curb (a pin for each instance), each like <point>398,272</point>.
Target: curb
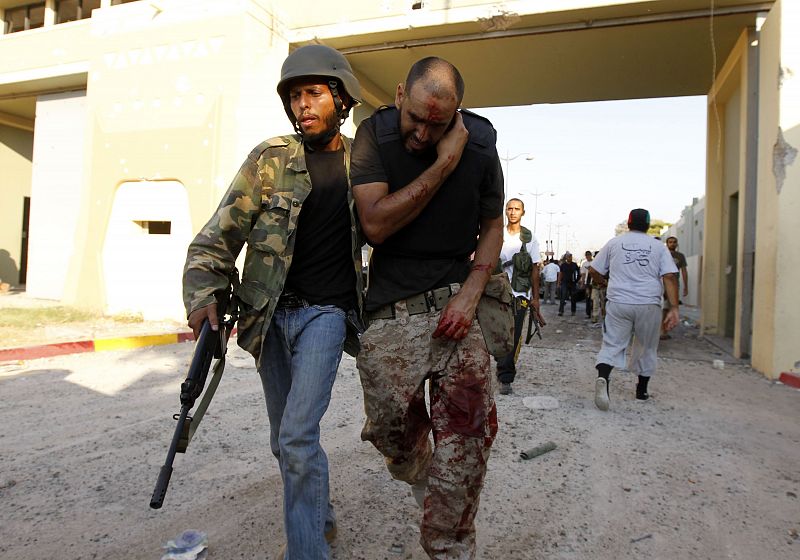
<point>790,379</point>
<point>100,345</point>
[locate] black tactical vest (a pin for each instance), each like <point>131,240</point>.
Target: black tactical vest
<point>447,227</point>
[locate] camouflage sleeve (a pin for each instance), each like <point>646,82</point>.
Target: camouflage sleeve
<point>212,254</point>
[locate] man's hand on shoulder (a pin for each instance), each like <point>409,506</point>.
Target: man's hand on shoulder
<point>451,145</point>
<point>197,317</point>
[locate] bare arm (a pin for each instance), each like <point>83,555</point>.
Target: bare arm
<point>535,293</point>
<point>671,288</point>
<point>382,214</point>
<point>458,314</point>
<point>684,277</point>
<point>597,277</point>
<point>535,284</point>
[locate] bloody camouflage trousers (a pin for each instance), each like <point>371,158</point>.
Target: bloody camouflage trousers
<point>397,356</point>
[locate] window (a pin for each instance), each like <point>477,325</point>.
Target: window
<point>155,228</point>
<point>73,10</point>
<point>23,18</point>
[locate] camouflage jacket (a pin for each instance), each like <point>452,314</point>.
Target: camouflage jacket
<point>261,207</point>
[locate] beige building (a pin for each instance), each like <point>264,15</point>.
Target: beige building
<point>121,124</point>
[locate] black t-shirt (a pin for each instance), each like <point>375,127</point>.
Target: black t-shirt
<point>322,269</point>
<point>569,272</point>
<point>434,249</point>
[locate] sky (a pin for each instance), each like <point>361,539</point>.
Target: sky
<point>593,162</point>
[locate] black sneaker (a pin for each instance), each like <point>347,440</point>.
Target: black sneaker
<point>642,395</point>
<point>505,389</point>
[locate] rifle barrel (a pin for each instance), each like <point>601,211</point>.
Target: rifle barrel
<point>166,471</point>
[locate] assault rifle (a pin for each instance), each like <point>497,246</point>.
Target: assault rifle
<point>533,325</point>
<point>209,345</point>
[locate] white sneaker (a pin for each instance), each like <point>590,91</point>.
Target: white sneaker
<point>601,393</point>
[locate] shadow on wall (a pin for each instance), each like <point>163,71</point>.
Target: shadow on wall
<point>9,272</point>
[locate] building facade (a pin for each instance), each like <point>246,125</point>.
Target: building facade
<point>121,124</point>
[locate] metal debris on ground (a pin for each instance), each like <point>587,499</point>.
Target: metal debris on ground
<point>643,537</point>
<point>538,450</point>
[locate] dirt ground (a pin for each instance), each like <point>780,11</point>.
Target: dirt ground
<point>707,469</point>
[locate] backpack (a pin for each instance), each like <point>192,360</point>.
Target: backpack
<point>522,263</point>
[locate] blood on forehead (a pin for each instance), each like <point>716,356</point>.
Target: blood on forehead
<point>434,113</point>
<point>430,108</point>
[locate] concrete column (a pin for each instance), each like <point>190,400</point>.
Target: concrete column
<point>49,13</point>
<point>748,200</point>
<point>776,323</point>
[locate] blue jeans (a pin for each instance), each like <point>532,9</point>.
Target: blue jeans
<point>298,365</point>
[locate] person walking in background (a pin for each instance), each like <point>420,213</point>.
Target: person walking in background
<point>428,186</point>
<point>637,265</point>
<point>568,283</point>
<point>291,203</point>
<point>598,297</point>
<point>585,282</point>
<point>519,259</point>
<point>680,262</point>
<point>550,275</point>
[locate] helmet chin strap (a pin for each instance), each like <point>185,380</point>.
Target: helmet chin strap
<point>341,113</point>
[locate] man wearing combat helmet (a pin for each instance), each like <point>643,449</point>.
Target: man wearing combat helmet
<point>291,202</point>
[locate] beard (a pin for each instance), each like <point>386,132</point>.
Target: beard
<point>411,149</point>
<point>329,130</point>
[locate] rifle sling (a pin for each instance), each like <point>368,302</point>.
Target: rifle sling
<point>211,388</point>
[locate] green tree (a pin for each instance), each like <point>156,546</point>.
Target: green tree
<point>657,228</point>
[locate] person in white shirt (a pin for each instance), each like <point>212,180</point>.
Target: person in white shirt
<point>550,271</point>
<point>585,283</point>
<point>524,284</point>
<point>637,264</point>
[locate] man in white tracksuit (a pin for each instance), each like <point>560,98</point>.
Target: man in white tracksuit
<point>637,264</point>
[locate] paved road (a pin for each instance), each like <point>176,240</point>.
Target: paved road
<point>707,469</point>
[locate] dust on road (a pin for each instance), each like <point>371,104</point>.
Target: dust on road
<point>706,469</point>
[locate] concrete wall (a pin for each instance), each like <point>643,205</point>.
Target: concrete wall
<point>16,155</point>
<point>777,264</point>
<point>727,292</point>
<point>57,191</point>
<point>178,96</point>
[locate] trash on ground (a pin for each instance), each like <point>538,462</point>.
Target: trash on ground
<point>189,545</point>
<point>643,537</point>
<point>538,450</point>
<point>718,364</point>
<point>540,403</point>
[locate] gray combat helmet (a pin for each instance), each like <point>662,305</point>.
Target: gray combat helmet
<point>320,60</point>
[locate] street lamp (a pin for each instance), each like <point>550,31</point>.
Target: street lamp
<point>550,231</point>
<point>507,159</point>
<point>537,194</point>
